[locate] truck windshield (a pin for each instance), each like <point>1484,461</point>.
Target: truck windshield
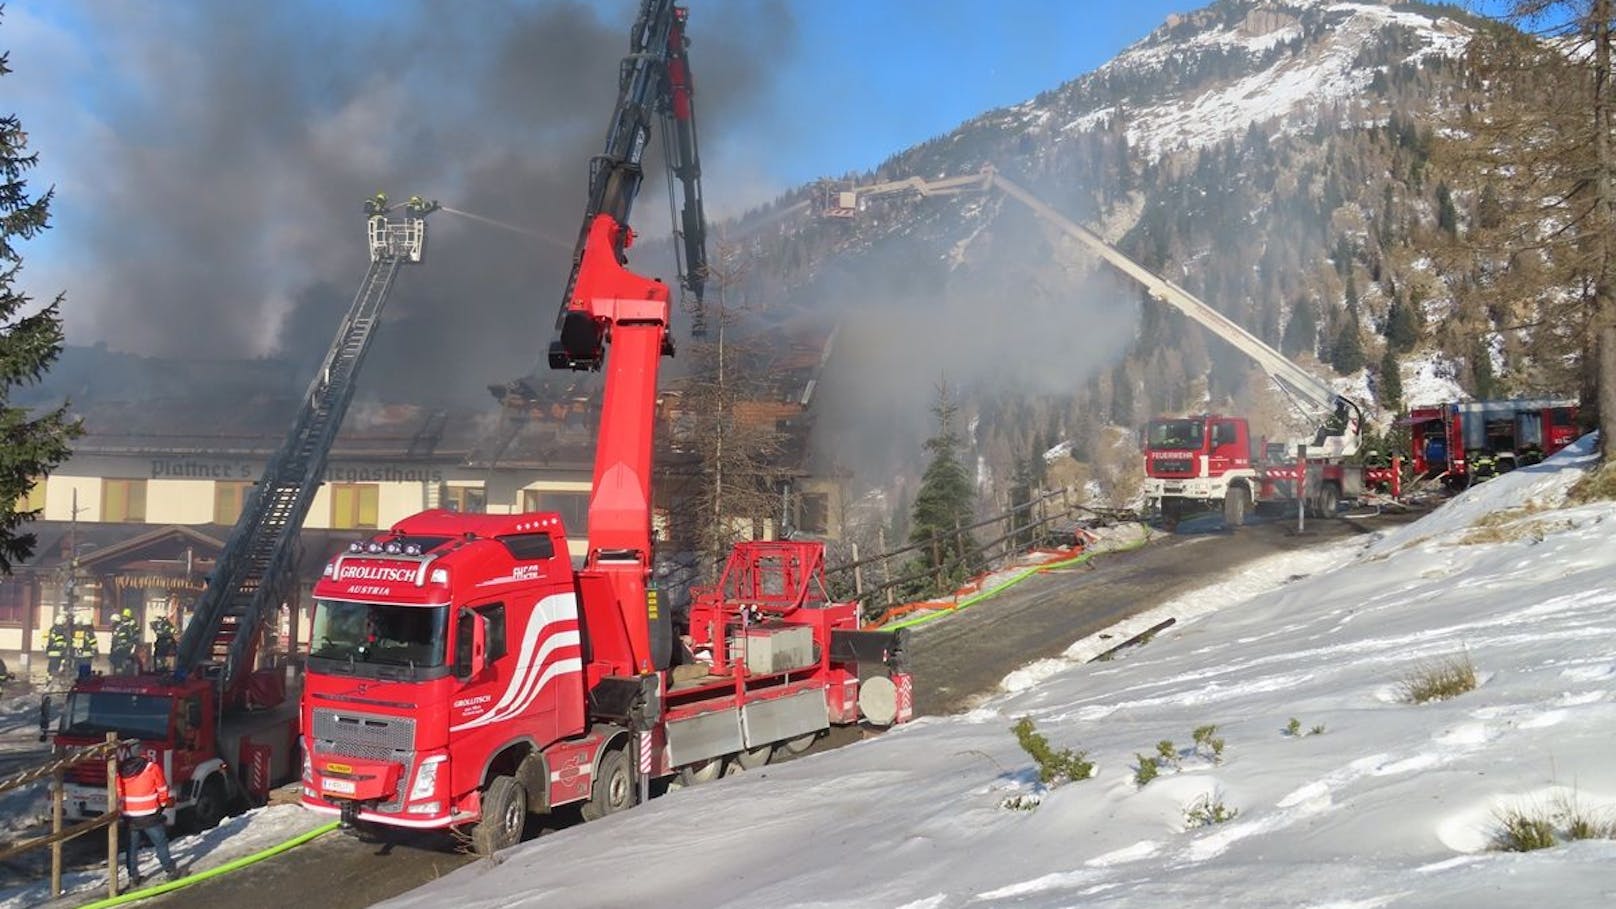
<point>379,633</point>
<point>141,716</point>
<point>1174,435</point>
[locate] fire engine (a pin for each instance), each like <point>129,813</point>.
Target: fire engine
<point>1209,460</point>
<point>464,675</point>
<point>222,727</point>
<point>1446,441</point>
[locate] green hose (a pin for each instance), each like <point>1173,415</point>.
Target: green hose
<point>995,591</point>
<point>226,868</point>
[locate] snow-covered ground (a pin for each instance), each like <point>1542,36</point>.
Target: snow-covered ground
<point>1387,803</point>
<point>241,836</point>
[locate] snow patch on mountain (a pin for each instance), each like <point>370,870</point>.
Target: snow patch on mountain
<point>1319,75</point>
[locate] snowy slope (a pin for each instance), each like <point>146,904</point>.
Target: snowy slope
<point>1391,804</point>
<point>1277,84</point>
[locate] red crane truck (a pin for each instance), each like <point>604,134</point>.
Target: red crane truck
<point>220,726</point>
<point>463,675</point>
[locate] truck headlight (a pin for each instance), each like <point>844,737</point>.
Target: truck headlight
<point>426,778</point>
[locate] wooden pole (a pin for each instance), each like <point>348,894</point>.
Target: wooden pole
<point>886,570</point>
<point>112,805</point>
<point>858,575</point>
<point>56,827</point>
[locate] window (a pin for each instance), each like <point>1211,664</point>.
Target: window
<point>467,499</point>
<point>123,501</point>
<point>572,506</point>
<point>34,498</point>
<point>228,498</point>
<point>494,615</point>
<point>814,514</point>
<point>379,634</point>
<point>14,594</point>
<point>354,505</point>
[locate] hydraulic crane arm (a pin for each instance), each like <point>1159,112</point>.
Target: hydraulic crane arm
<point>607,303</point>
<point>654,79</point>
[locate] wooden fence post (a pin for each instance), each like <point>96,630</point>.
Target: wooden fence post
<point>858,575</point>
<point>112,805</point>
<point>57,779</point>
<point>886,570</point>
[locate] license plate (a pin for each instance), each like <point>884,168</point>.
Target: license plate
<point>343,787</point>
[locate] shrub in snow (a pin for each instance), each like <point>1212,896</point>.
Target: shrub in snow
<point>1208,810</point>
<point>1167,752</point>
<point>1294,727</point>
<point>1316,730</point>
<point>1208,744</point>
<point>1021,803</point>
<point>1054,767</point>
<point>1438,680</point>
<point>1146,771</point>
<point>1521,831</point>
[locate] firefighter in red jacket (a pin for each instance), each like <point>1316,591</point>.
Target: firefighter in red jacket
<point>142,796</point>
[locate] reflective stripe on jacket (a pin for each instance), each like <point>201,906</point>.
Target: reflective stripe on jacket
<point>143,793</point>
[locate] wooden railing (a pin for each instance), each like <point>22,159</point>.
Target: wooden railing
<point>55,770</point>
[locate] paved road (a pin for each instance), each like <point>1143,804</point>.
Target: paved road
<point>955,661</point>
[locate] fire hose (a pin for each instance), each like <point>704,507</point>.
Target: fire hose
<point>226,868</point>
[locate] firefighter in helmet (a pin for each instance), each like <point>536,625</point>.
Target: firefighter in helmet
<point>125,637</point>
<point>56,646</point>
<point>164,645</point>
<point>85,647</point>
<point>376,205</point>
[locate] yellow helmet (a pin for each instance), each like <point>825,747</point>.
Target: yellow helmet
<point>128,613</point>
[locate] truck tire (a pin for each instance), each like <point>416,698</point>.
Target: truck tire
<point>211,805</point>
<point>1329,500</point>
<point>504,816</point>
<point>800,744</point>
<point>757,757</point>
<point>1171,511</point>
<point>1236,505</point>
<point>704,772</point>
<point>614,787</point>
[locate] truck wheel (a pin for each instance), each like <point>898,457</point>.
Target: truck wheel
<point>757,757</point>
<point>1236,504</point>
<point>1171,511</point>
<point>800,744</point>
<point>1329,501</point>
<point>704,772</point>
<point>210,805</point>
<point>504,816</point>
<point>614,787</point>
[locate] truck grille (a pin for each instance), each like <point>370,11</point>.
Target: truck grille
<point>362,735</point>
<point>1171,466</point>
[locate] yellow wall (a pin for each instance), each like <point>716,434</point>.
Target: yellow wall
<point>179,501</point>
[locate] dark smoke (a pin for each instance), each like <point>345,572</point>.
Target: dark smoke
<point>246,137</point>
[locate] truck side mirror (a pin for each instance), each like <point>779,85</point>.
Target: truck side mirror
<point>471,645</point>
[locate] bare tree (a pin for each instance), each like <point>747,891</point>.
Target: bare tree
<point>724,426</point>
<point>1536,143</point>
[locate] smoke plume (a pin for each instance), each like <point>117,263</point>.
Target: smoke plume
<point>233,158</point>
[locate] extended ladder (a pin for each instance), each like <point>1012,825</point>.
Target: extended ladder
<point>242,592</point>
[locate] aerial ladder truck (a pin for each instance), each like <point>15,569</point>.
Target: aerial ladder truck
<point>1208,460</point>
<point>219,725</point>
<point>464,675</point>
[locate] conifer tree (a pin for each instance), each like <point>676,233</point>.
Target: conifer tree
<point>1391,381</point>
<point>1301,330</point>
<point>30,340</point>
<point>945,503</point>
